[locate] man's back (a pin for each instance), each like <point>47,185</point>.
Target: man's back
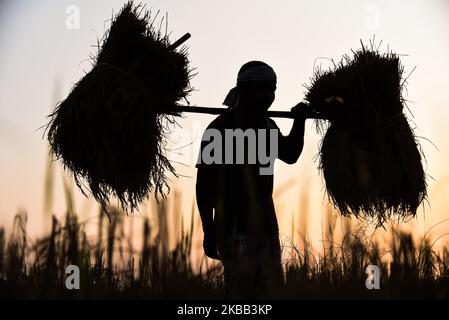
<point>242,196</point>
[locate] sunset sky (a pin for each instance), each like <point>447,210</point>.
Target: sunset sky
<point>42,55</point>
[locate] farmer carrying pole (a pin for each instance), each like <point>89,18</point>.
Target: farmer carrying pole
<point>111,130</point>
<point>235,198</point>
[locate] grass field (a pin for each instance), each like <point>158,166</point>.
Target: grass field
<point>163,263</point>
<point>112,267</point>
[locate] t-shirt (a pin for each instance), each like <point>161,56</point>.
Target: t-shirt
<point>242,196</point>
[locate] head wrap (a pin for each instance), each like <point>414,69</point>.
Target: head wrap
<point>256,73</point>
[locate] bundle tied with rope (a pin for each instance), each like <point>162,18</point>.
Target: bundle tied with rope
<point>110,131</point>
<point>369,155</point>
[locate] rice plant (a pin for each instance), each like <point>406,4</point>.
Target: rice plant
<point>111,268</point>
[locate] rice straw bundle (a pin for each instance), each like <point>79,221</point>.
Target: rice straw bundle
<point>110,130</point>
<point>369,156</point>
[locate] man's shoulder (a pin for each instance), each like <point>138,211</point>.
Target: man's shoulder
<point>271,123</point>
<point>221,122</point>
<point>226,120</point>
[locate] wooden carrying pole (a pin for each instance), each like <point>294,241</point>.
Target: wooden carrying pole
<point>276,114</point>
<point>212,110</point>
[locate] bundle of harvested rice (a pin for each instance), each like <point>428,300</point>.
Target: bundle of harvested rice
<point>110,131</point>
<point>369,156</point>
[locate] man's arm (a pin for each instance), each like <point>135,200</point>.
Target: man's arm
<point>204,198</point>
<point>290,147</point>
<point>205,195</point>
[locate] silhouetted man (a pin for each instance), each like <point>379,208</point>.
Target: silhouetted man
<point>234,197</point>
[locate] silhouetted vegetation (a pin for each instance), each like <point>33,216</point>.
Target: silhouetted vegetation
<point>111,267</point>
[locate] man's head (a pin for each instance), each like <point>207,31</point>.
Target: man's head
<point>256,86</point>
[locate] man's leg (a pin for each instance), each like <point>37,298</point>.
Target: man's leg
<point>240,269</point>
<point>270,268</point>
